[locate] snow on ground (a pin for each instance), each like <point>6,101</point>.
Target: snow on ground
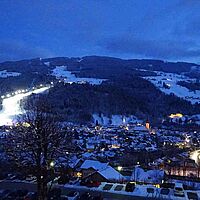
<point>61,73</point>
<point>171,79</point>
<point>5,74</point>
<point>11,106</point>
<point>115,120</point>
<point>47,63</point>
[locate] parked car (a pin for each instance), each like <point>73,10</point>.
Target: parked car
<point>168,185</point>
<point>178,190</point>
<point>192,196</point>
<point>130,187</point>
<point>164,191</point>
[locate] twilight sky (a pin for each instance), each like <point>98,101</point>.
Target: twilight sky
<point>160,29</point>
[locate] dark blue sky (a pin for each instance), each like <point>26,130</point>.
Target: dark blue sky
<point>161,29</point>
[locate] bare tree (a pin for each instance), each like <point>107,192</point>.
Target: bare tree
<point>35,142</point>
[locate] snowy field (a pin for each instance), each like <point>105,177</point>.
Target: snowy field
<point>11,106</point>
<point>171,79</point>
<point>5,74</point>
<point>61,73</point>
<point>115,120</point>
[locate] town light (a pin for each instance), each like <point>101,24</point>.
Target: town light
<point>177,115</point>
<point>119,168</point>
<point>79,174</point>
<point>52,164</point>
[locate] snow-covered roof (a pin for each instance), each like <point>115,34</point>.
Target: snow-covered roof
<point>93,164</point>
<point>87,155</point>
<point>150,176</point>
<point>111,174</point>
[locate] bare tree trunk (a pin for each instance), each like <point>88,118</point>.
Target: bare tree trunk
<point>39,187</point>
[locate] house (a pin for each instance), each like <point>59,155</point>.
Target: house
<point>150,176</point>
<point>91,166</point>
<point>98,171</point>
<point>109,174</point>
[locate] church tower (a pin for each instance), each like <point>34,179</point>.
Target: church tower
<point>147,124</point>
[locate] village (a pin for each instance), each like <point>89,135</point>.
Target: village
<point>126,157</point>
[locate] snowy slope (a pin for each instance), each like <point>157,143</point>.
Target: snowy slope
<point>115,120</point>
<point>5,74</point>
<point>61,73</point>
<point>171,79</point>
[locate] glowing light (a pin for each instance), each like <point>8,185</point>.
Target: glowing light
<point>79,174</point>
<point>126,128</point>
<point>177,115</point>
<point>115,146</point>
<point>195,156</point>
<point>2,96</point>
<point>119,168</point>
<point>25,124</point>
<point>11,106</point>
<point>187,140</point>
<point>52,164</point>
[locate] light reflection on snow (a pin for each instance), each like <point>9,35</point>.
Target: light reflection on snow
<point>11,106</point>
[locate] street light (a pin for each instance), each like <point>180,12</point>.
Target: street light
<point>119,168</point>
<point>52,164</point>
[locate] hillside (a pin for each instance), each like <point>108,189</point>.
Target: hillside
<point>105,86</point>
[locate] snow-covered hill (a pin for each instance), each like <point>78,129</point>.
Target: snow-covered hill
<point>5,74</point>
<point>170,81</point>
<point>61,72</point>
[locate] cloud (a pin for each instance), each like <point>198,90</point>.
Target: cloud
<point>160,49</point>
<point>17,50</point>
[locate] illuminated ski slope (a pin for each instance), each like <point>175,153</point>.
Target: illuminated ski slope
<point>11,106</point>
